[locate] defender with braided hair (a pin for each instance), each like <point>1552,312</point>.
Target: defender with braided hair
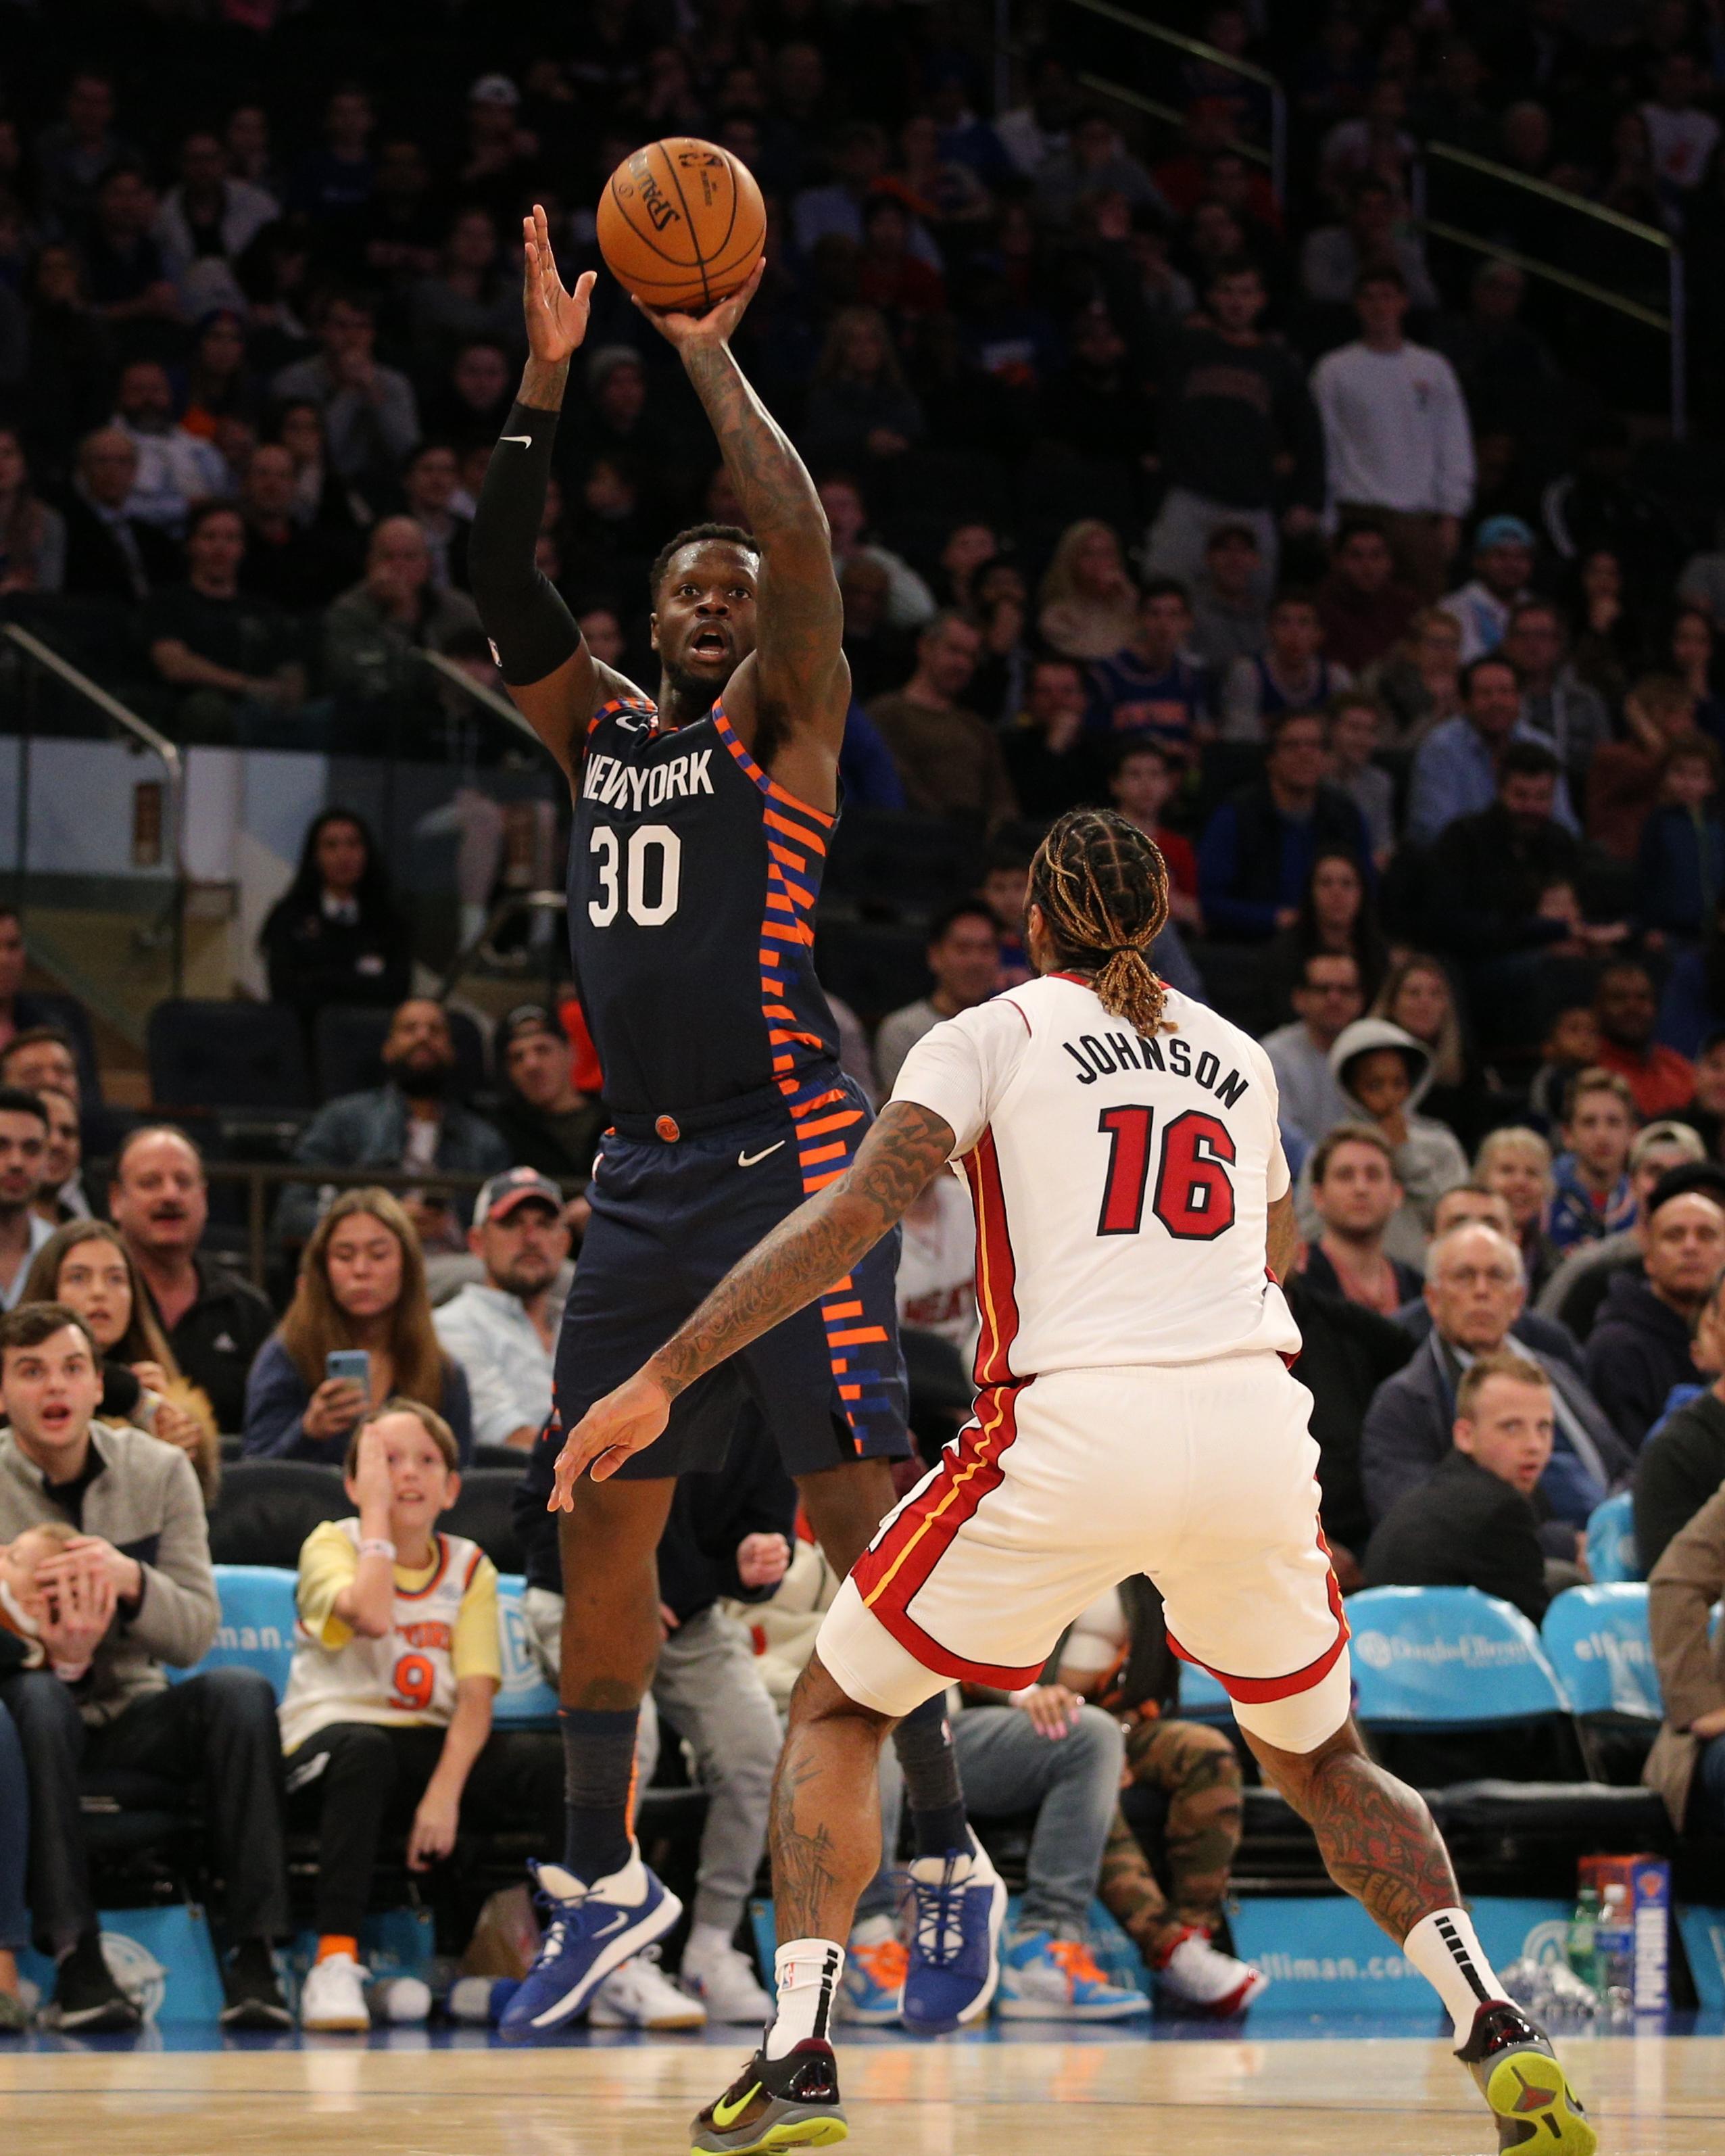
<point>1134,1412</point>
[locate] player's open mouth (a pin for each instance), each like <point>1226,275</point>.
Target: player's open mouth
<point>710,644</point>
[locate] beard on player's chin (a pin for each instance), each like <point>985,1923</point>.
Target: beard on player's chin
<point>708,681</point>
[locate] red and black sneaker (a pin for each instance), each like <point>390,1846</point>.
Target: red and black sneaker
<point>1512,2060</point>
<point>791,2102</point>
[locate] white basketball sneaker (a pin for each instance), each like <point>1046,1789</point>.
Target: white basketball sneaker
<point>723,1979</point>
<point>333,2000</point>
<point>638,1994</point>
<point>1200,1978</point>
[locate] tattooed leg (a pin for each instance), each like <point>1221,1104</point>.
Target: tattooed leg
<point>824,1828</point>
<point>1378,1839</point>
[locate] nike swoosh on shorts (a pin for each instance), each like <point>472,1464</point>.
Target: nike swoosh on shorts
<point>748,1159</point>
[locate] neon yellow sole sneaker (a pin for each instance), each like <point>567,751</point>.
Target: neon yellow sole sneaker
<point>1517,2073</point>
<point>791,2102</point>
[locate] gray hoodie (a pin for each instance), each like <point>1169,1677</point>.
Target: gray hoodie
<point>1428,1162</point>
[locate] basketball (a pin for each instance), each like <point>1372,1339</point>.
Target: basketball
<point>682,223</point>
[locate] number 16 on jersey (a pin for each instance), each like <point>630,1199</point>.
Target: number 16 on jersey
<point>1194,1196</point>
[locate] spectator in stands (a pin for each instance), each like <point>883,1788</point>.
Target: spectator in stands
<point>469,296</point>
<point>364,1751</point>
<point>1228,621</point>
<point>1356,733</point>
<point>543,1118</point>
<point>1682,136</point>
<point>1578,1286</point>
<point>1150,686</point>
<point>1476,1293</point>
<point>129,283</point>
<point>236,658</point>
<point>1556,703</point>
<point>503,1330</point>
<point>360,1285</point>
<point>1473,1522</point>
<point>111,554</point>
<point>63,1196</point>
<point>1053,761</point>
<point>964,957</point>
<point>1680,870</point>
<point>950,761</point>
<point>1459,768</point>
<point>86,1267</point>
<point>1290,674</point>
<point>27,1011</point>
<point>910,603</point>
<point>1683,1464</point>
<point>860,410</point>
<point>412,1120</point>
<point>335,936</point>
<point>134,1591</point>
<point>1087,604</point>
<point>210,216</point>
<point>369,410</point>
<point>1625,1010</point>
<point>1356,1196</point>
<point>341,175</point>
<point>74,154</point>
<point>1686,1764</point>
<point>1640,1346</point>
<point>1591,1194</point>
<point>214,1322</point>
<point>176,468</point>
<point>1624,779</point>
<point>1383,1074</point>
<point>33,536</point>
<point>1364,609</point>
<point>1571,1045</point>
<point>1335,916</point>
<point>24,1148</point>
<point>1335,257</point>
<point>298,565</point>
<point>1517,1163</point>
<point>1143,782</point>
<point>1396,435</point>
<point>1256,859</point>
<point>374,633</point>
<point>1240,443</point>
<point>48,1059</point>
<point>1420,681</point>
<point>429,484</point>
<point>1327,1000</point>
<point>1503,562</point>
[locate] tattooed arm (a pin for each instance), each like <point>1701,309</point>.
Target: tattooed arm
<point>817,1245</point>
<point>789,698</point>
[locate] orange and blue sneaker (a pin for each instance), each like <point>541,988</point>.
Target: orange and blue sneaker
<point>876,1963</point>
<point>1044,1979</point>
<point>959,1905</point>
<point>1517,2073</point>
<point>791,2102</point>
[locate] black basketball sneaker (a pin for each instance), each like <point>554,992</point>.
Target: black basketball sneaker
<point>791,2102</point>
<point>1512,2060</point>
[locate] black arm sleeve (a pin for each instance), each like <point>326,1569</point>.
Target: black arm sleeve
<point>532,631</point>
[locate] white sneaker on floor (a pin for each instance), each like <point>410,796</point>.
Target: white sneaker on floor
<point>723,1979</point>
<point>1199,1976</point>
<point>639,1996</point>
<point>332,2000</point>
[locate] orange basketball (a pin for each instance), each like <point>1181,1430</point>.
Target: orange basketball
<point>682,223</point>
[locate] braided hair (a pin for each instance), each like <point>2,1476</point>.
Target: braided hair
<point>1102,887</point>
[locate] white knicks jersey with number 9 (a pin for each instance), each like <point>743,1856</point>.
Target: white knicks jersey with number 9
<point>1121,1184</point>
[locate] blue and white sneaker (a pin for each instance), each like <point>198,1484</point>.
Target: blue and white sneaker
<point>873,1985</point>
<point>589,1931</point>
<point>959,1904</point>
<point>1044,1979</point>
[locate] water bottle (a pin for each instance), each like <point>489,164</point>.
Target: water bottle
<point>1583,1947</point>
<point>1615,1938</point>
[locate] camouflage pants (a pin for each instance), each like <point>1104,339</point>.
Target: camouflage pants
<point>1195,1768</point>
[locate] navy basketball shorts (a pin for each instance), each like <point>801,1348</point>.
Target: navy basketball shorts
<point>670,1217</point>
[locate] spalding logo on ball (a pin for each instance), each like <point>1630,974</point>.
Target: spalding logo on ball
<point>681,225</point>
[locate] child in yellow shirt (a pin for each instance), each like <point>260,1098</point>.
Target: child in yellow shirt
<point>387,1719</point>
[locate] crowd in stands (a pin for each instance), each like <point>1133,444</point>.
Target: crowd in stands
<point>1322,557</point>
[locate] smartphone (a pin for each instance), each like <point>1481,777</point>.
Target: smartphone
<point>353,1363</point>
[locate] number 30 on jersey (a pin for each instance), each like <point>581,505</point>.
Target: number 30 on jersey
<point>642,879</point>
<point>1194,1195</point>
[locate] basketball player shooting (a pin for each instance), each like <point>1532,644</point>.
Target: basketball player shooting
<point>1134,1412</point>
<point>701,822</point>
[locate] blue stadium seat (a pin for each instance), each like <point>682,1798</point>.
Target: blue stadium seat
<point>1611,1552</point>
<point>1447,1658</point>
<point>527,1700</point>
<point>1599,1643</point>
<point>257,1628</point>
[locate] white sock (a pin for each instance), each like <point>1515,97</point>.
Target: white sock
<point>807,1972</point>
<point>1443,1948</point>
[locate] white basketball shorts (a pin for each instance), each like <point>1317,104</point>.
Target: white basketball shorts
<point>1200,1475</point>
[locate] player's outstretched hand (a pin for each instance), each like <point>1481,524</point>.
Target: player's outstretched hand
<point>557,320</point>
<point>717,325</point>
<point>613,1430</point>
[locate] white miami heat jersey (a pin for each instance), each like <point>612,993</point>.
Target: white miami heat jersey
<point>1121,1183</point>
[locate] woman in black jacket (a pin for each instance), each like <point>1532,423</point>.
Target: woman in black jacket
<point>335,936</point>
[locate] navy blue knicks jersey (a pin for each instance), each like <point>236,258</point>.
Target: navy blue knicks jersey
<point>692,884</point>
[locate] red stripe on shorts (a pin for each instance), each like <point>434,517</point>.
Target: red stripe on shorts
<point>1258,1692</point>
<point>996,1274</point>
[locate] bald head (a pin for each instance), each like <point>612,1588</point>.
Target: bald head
<point>1475,1287</point>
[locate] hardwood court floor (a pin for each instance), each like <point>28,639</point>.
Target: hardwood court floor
<point>1397,2096</point>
